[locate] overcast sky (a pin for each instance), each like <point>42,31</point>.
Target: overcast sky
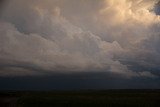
<point>76,44</point>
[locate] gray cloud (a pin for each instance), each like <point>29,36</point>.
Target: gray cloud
<point>95,36</point>
<point>157,8</point>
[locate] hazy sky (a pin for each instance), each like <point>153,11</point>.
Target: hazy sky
<point>72,42</point>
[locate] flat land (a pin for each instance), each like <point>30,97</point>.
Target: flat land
<point>85,98</point>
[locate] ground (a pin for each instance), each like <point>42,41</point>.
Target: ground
<point>85,98</point>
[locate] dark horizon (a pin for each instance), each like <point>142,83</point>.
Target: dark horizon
<point>85,81</point>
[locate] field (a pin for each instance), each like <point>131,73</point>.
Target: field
<point>85,98</point>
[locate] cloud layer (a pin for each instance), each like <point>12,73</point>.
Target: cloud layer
<point>40,37</point>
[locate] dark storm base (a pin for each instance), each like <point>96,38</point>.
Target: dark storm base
<point>85,98</point>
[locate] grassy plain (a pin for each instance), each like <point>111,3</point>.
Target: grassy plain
<point>83,98</point>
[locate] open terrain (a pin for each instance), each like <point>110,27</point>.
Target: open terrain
<point>83,98</point>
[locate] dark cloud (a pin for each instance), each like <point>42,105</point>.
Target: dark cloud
<point>2,3</point>
<point>107,41</point>
<point>157,8</point>
<point>76,82</point>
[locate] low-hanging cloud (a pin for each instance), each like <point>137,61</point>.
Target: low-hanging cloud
<point>44,37</point>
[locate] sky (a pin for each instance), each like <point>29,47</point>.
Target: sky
<point>79,44</point>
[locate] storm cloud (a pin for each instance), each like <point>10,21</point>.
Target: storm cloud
<point>40,37</point>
